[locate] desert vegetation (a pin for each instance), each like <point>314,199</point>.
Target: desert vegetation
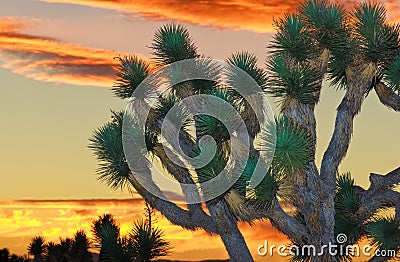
<point>319,45</point>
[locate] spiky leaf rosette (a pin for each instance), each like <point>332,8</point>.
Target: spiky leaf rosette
<point>385,233</point>
<point>292,38</point>
<point>248,63</point>
<point>226,95</point>
<point>265,192</point>
<point>293,147</point>
<point>345,183</point>
<point>209,125</point>
<point>392,75</point>
<point>347,202</point>
<point>172,43</point>
<point>131,71</point>
<point>110,242</point>
<point>214,167</point>
<point>106,143</point>
<point>290,80</point>
<point>147,243</point>
<point>324,22</point>
<point>209,69</point>
<point>105,220</point>
<point>212,126</point>
<point>340,60</point>
<point>243,181</point>
<point>347,199</point>
<point>379,42</point>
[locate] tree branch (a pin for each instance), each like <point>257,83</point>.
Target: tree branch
<point>180,173</point>
<point>287,224</point>
<point>191,220</point>
<point>339,143</point>
<point>388,97</point>
<point>379,194</point>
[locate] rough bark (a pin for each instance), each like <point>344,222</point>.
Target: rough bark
<point>388,97</point>
<point>229,232</point>
<point>379,194</point>
<point>339,143</point>
<point>349,107</point>
<point>188,219</point>
<point>222,221</point>
<point>287,224</point>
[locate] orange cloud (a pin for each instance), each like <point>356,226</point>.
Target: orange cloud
<point>253,15</point>
<point>20,220</point>
<point>49,60</point>
<point>234,14</point>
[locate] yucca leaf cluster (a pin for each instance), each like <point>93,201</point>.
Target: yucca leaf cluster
<point>319,42</point>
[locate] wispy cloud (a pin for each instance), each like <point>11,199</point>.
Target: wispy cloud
<point>253,15</point>
<point>250,15</point>
<point>49,60</point>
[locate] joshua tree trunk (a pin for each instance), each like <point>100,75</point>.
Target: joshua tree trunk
<point>229,232</point>
<point>362,54</point>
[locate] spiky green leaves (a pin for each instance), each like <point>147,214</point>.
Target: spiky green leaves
<point>107,238</point>
<point>211,169</point>
<point>292,38</point>
<point>341,58</point>
<point>347,202</point>
<point>392,75</point>
<point>264,193</point>
<point>210,125</point>
<point>379,42</point>
<point>290,80</point>
<point>293,147</point>
<point>385,233</point>
<point>131,71</point>
<point>173,43</point>
<point>324,22</point>
<point>243,181</point>
<point>248,63</point>
<point>144,242</point>
<point>106,144</point>
<point>147,243</point>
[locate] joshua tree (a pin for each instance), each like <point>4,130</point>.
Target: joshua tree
<point>357,51</point>
<point>107,237</point>
<point>37,248</point>
<point>80,247</point>
<point>144,243</point>
<point>74,250</point>
<point>4,255</point>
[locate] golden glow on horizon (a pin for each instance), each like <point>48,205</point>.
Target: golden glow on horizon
<point>52,60</point>
<point>21,220</point>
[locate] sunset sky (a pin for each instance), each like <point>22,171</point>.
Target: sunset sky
<point>56,70</point>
